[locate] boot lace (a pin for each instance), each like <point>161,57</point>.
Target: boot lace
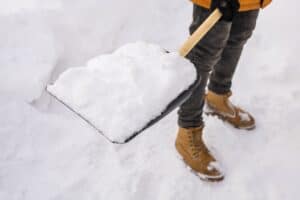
<point>196,143</point>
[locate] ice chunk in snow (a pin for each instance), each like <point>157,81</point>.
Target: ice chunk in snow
<point>119,93</point>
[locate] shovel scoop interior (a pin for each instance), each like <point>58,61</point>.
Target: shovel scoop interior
<point>122,93</point>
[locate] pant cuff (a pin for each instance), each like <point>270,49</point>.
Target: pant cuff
<point>218,89</point>
<point>193,124</point>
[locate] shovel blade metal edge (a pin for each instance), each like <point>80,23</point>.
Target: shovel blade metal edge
<point>79,115</point>
<point>180,99</point>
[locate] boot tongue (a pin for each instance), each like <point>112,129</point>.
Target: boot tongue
<point>230,107</point>
<point>197,133</point>
<point>198,137</point>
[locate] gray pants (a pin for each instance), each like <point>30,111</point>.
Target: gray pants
<point>218,52</point>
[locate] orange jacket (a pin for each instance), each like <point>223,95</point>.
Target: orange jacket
<point>244,4</point>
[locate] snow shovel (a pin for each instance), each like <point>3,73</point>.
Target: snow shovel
<point>89,113</point>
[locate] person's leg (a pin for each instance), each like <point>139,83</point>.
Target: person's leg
<point>242,27</point>
<point>217,98</point>
<point>204,56</point>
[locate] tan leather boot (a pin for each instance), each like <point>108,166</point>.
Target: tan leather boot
<point>221,106</point>
<point>195,154</point>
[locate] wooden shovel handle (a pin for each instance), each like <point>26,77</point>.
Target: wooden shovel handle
<point>200,32</point>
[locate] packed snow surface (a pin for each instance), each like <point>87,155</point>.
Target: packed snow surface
<point>120,93</point>
<point>27,56</point>
<point>48,153</point>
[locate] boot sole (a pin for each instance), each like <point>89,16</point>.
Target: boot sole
<point>203,177</point>
<point>224,119</point>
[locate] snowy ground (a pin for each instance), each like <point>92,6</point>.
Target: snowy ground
<point>48,153</point>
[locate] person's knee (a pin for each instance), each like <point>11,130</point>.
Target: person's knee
<point>242,29</point>
<point>202,65</point>
<point>240,39</point>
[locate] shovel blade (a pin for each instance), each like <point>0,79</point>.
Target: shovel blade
<point>126,92</point>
